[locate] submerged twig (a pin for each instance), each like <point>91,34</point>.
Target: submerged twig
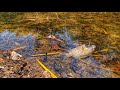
<point>57,53</point>
<point>19,48</point>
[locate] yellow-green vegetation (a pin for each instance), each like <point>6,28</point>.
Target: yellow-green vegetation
<point>102,28</point>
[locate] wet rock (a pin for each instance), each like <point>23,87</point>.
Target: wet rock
<point>26,76</point>
<point>70,75</point>
<point>1,60</point>
<point>46,74</point>
<point>2,67</point>
<point>15,55</point>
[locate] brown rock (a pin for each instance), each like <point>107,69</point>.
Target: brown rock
<point>1,60</point>
<point>46,74</point>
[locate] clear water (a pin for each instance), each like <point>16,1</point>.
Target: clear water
<point>8,40</point>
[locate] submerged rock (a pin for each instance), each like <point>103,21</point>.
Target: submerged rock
<point>15,55</point>
<point>46,74</point>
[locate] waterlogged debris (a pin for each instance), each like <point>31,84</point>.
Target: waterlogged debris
<point>54,37</point>
<point>15,56</point>
<point>81,51</point>
<point>55,43</point>
<point>55,46</point>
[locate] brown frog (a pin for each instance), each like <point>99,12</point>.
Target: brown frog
<point>81,51</point>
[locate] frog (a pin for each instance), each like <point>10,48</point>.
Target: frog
<point>81,51</point>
